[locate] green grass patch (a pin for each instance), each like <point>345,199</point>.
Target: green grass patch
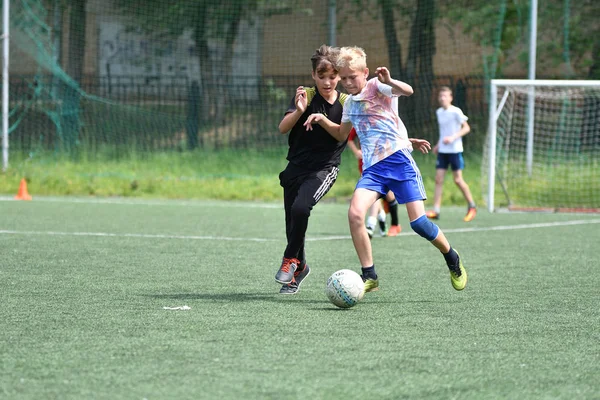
<point>84,284</point>
<point>225,174</point>
<point>564,183</point>
<point>250,174</point>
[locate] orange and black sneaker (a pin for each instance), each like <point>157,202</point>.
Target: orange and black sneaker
<point>433,215</point>
<point>394,230</point>
<point>294,286</point>
<point>286,272</point>
<point>471,213</point>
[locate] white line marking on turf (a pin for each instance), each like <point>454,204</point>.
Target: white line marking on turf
<point>150,202</point>
<point>135,235</point>
<point>486,229</point>
<point>313,239</point>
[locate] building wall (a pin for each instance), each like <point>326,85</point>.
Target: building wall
<point>456,53</point>
<point>288,41</point>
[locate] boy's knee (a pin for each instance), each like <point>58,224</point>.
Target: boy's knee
<point>355,216</point>
<point>425,228</point>
<point>300,210</point>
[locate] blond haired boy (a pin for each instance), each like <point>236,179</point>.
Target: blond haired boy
<point>372,108</point>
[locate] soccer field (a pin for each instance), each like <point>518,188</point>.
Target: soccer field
<point>84,282</point>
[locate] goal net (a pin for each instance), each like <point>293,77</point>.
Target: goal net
<point>543,146</point>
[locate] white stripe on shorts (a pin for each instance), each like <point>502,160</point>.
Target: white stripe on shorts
<point>416,168</point>
<point>326,185</point>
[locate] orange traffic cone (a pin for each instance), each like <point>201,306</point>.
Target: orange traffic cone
<point>23,194</point>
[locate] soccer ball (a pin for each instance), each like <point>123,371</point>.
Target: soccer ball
<point>345,288</point>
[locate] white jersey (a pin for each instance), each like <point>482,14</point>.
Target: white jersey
<point>374,115</point>
<point>450,121</point>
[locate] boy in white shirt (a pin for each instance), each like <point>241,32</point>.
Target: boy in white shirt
<point>449,149</point>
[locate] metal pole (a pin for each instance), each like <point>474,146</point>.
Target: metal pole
<point>5,48</point>
<point>492,146</point>
<point>56,33</point>
<point>531,98</point>
<point>331,23</point>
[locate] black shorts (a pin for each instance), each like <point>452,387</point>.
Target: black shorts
<point>454,160</point>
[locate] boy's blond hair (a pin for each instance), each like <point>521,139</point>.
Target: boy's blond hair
<point>352,57</point>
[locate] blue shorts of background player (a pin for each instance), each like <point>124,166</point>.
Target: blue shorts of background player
<point>454,160</point>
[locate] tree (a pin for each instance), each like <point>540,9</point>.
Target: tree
<point>567,34</point>
<point>77,27</point>
<point>418,67</point>
<point>206,19</point>
<point>71,96</point>
<point>419,64</point>
<point>210,21</point>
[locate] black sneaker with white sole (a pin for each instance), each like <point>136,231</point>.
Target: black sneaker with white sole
<point>294,285</point>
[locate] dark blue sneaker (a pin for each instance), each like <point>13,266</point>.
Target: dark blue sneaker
<point>294,285</point>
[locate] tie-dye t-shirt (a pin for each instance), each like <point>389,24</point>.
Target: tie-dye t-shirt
<point>374,114</point>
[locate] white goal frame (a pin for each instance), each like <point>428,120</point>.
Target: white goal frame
<point>495,109</point>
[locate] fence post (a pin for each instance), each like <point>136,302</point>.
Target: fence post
<point>191,124</point>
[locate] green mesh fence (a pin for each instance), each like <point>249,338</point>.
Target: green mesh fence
<point>108,79</point>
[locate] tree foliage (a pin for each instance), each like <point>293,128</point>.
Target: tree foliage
<point>417,67</point>
<point>568,30</point>
<point>214,21</point>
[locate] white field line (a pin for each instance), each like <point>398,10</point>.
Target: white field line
<point>487,229</point>
<point>148,202</point>
<point>314,239</point>
<point>134,235</point>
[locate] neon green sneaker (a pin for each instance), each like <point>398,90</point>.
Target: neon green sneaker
<point>371,285</point>
<point>458,277</point>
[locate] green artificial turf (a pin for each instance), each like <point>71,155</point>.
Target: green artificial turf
<point>83,284</point>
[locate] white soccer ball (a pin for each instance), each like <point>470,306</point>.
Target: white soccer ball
<point>345,288</point>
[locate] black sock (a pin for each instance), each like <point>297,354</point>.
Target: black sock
<point>369,272</point>
<point>393,205</point>
<point>451,257</point>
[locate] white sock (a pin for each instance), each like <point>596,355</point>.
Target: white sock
<point>371,222</point>
<point>381,216</point>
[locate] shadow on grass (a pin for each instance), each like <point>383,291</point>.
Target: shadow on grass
<point>232,297</point>
<point>270,297</point>
<point>273,297</point>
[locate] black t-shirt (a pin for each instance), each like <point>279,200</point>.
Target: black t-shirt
<point>315,150</point>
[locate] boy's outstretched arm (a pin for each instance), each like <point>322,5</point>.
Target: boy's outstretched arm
<point>398,87</point>
<point>420,144</point>
<point>339,132</point>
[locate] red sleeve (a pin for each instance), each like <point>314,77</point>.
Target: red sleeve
<point>352,134</point>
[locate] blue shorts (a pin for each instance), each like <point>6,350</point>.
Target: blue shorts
<point>455,160</point>
<point>398,173</point>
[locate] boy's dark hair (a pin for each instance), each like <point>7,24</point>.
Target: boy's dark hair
<point>324,59</point>
<point>445,89</point>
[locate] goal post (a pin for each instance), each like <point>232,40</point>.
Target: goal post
<point>545,157</point>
